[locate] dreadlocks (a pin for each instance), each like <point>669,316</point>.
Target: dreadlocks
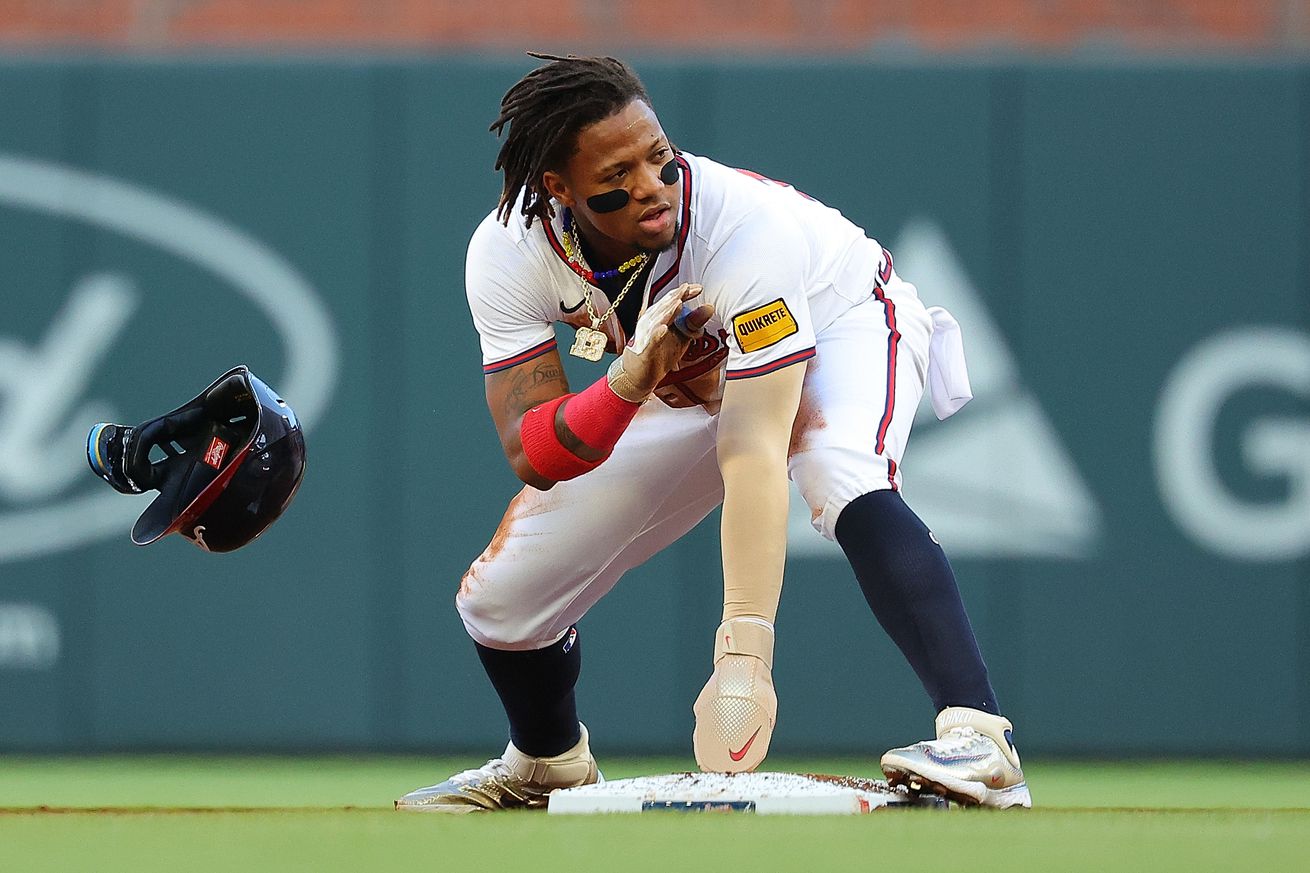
<point>545,111</point>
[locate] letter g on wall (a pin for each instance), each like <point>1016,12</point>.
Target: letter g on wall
<point>1187,466</point>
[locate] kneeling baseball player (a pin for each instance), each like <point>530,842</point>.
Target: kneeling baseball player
<point>732,303</point>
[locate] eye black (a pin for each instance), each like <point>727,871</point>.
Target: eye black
<point>610,201</point>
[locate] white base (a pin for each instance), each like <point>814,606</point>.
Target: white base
<point>760,793</point>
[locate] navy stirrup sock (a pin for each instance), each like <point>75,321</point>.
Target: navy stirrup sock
<point>909,585</point>
<point>536,689</point>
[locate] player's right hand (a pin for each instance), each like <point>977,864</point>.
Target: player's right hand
<point>737,708</point>
<point>657,346</point>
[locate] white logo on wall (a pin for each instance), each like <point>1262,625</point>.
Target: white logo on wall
<point>43,413</point>
<point>29,637</point>
<point>1036,504</point>
<point>1186,464</point>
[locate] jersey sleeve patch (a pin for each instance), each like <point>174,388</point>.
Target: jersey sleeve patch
<point>763,326</point>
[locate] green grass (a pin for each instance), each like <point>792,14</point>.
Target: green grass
<point>230,814</point>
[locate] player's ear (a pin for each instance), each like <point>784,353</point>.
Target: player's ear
<point>556,187</point>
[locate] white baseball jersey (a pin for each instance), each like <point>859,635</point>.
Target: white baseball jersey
<point>777,266</point>
<point>790,280</point>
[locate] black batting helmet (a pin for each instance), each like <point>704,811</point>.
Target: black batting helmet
<point>232,460</point>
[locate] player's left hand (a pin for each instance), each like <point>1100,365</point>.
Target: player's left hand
<point>737,708</point>
<point>658,344</point>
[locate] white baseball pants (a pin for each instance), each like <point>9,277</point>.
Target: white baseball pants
<point>557,552</point>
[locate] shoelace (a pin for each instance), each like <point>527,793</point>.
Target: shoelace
<point>493,768</point>
<point>958,739</point>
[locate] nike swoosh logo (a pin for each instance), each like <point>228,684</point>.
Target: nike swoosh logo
<point>737,756</point>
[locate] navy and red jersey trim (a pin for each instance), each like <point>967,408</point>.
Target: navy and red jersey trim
<point>684,231</point>
<point>559,249</point>
<point>534,352</point>
<point>885,274</point>
<point>893,341</point>
<point>762,369</point>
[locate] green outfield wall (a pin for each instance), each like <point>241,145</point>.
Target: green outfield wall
<point>1126,502</point>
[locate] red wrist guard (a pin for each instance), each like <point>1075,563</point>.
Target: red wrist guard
<point>542,448</point>
<point>597,416</point>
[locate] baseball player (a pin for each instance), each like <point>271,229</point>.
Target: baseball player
<point>757,334</point>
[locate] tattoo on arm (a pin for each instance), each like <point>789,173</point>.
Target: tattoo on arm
<point>538,384</point>
<point>525,388</point>
<point>510,393</point>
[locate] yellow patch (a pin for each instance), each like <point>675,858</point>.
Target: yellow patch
<point>763,326</point>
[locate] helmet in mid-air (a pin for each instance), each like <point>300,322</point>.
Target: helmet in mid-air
<point>232,460</point>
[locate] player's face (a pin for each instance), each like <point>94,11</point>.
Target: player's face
<point>625,151</point>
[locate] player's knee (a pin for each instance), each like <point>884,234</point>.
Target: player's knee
<point>501,619</point>
<point>884,524</point>
<point>831,477</point>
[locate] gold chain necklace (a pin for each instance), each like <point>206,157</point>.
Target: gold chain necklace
<point>589,342</point>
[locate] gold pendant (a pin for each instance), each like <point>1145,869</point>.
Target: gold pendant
<point>589,344</point>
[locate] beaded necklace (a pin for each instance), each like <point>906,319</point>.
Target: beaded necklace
<point>573,251</point>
